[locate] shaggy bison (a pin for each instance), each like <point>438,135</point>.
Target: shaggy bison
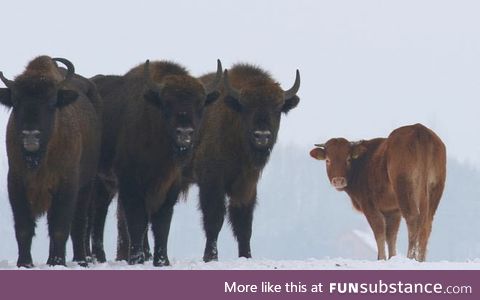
<point>236,138</point>
<point>53,144</point>
<point>386,178</point>
<point>151,117</point>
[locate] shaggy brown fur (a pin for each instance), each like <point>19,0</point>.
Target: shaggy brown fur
<point>56,179</point>
<point>228,160</point>
<point>143,132</point>
<point>402,175</point>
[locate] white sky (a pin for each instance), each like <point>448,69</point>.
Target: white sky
<point>367,66</point>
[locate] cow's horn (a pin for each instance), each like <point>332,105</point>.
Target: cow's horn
<point>294,89</point>
<point>211,87</point>
<point>70,69</point>
<point>8,83</point>
<point>320,145</point>
<point>148,79</point>
<point>230,90</point>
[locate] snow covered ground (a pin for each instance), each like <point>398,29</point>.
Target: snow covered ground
<point>396,263</point>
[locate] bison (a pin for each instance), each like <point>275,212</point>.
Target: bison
<point>151,119</point>
<point>387,178</point>
<point>53,146</point>
<point>236,138</point>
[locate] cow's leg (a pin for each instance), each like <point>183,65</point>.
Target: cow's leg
<point>123,240</point>
<point>146,247</point>
<point>392,220</point>
<point>132,199</point>
<point>377,222</point>
<point>212,204</point>
<point>161,227</point>
<point>105,190</point>
<point>23,219</point>
<point>241,217</point>
<point>405,192</point>
<point>60,218</point>
<point>79,225</point>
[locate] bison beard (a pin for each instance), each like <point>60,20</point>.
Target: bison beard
<point>236,138</point>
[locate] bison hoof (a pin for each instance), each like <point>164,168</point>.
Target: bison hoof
<point>210,257</point>
<point>136,259</point>
<point>99,257</point>
<point>56,261</point>
<point>26,265</point>
<point>161,261</point>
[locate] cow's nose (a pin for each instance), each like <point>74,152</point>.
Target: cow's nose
<point>31,140</point>
<point>184,136</point>
<point>262,137</point>
<point>339,182</point>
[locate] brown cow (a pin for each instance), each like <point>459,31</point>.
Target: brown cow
<point>402,175</point>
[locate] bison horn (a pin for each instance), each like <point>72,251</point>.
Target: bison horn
<point>211,87</point>
<point>8,83</point>
<point>230,90</point>
<point>320,145</point>
<point>294,89</point>
<point>70,69</point>
<point>152,85</point>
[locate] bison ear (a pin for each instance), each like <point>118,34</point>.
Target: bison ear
<point>290,104</point>
<point>358,151</point>
<point>233,103</point>
<point>66,97</point>
<point>153,97</point>
<point>6,97</point>
<point>212,97</point>
<point>318,153</point>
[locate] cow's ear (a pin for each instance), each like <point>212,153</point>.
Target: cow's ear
<point>66,97</point>
<point>212,97</point>
<point>290,104</point>
<point>233,103</point>
<point>318,153</point>
<point>6,97</point>
<point>154,98</point>
<point>358,151</point>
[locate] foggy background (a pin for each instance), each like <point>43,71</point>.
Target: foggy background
<point>367,67</point>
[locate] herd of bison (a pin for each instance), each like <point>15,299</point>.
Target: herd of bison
<point>74,143</point>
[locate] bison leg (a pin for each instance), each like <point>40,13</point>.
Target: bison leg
<point>60,218</point>
<point>377,222</point>
<point>241,218</point>
<point>212,203</point>
<point>161,221</point>
<point>136,217</point>
<point>392,220</point>
<point>104,193</point>
<point>79,226</point>
<point>24,222</point>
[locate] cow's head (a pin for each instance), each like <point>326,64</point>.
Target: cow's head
<point>260,105</point>
<point>35,97</point>
<point>181,100</point>
<point>339,155</point>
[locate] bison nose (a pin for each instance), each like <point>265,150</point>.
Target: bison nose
<point>31,140</point>
<point>184,136</point>
<point>339,182</point>
<point>262,137</point>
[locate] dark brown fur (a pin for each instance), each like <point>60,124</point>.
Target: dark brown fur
<point>402,175</point>
<point>60,182</point>
<point>139,149</point>
<point>226,163</point>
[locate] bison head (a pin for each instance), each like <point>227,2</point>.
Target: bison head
<point>35,98</point>
<point>260,106</point>
<point>339,155</point>
<point>181,100</point>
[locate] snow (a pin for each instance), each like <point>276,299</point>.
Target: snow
<point>396,263</point>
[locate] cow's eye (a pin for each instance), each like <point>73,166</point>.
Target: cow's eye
<point>349,159</point>
<point>327,161</point>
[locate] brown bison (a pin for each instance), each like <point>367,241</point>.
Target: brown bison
<point>53,145</point>
<point>151,117</point>
<point>236,138</point>
<point>402,175</point>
